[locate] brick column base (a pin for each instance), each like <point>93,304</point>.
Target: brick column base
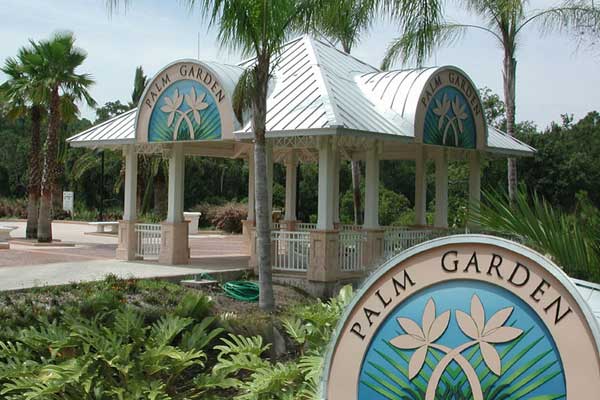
<point>373,254</point>
<point>174,246</point>
<point>127,241</point>
<point>323,265</point>
<point>290,225</point>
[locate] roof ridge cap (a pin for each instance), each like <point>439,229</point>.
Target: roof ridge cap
<point>326,97</point>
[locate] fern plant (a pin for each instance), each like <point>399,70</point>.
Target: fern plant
<point>113,355</point>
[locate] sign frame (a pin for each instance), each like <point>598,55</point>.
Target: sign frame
<point>466,239</point>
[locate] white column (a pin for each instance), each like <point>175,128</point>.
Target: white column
<point>325,209</point>
<point>290,186</point>
<point>269,159</point>
<point>371,220</point>
<point>251,185</point>
<point>176,183</point>
<point>474,179</point>
<point>129,209</point>
<point>420,188</point>
<point>336,188</point>
<point>441,190</point>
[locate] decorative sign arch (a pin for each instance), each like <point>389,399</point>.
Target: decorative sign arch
<point>471,316</point>
<point>186,101</point>
<point>449,111</point>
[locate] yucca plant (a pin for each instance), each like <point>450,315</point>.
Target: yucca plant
<point>533,221</point>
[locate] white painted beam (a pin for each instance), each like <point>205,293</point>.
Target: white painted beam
<point>371,220</point>
<point>176,184</point>
<point>441,190</point>
<point>129,209</point>
<point>291,169</point>
<point>420,187</point>
<point>326,167</point>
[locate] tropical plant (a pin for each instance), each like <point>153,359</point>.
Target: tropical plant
<point>57,59</point>
<point>423,29</point>
<point>111,356</point>
<point>25,93</point>
<point>533,221</point>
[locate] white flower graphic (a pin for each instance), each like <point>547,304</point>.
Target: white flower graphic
<point>172,105</point>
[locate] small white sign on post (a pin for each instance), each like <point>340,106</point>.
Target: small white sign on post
<point>68,202</point>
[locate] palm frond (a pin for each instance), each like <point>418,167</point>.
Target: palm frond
<point>536,223</point>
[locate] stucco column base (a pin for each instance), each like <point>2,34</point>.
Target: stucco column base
<point>174,246</point>
<point>290,225</point>
<point>127,241</point>
<point>323,265</point>
<point>247,227</point>
<point>373,254</point>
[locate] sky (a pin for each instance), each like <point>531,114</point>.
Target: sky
<point>553,77</point>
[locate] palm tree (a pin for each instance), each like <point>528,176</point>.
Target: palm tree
<point>423,29</point>
<point>25,94</point>
<point>259,28</point>
<point>344,22</point>
<point>57,60</point>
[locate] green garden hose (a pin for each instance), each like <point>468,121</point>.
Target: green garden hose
<point>241,290</point>
<point>238,290</point>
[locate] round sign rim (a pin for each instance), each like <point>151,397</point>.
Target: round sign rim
<point>517,248</point>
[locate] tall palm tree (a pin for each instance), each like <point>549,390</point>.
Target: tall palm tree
<point>25,94</point>
<point>57,60</point>
<point>423,29</point>
<point>258,28</point>
<point>344,22</point>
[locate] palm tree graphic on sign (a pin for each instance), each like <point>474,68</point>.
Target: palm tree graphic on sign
<point>485,334</point>
<point>172,107</point>
<point>448,122</point>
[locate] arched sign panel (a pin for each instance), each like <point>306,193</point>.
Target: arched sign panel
<point>467,316</point>
<point>449,112</point>
<point>184,102</point>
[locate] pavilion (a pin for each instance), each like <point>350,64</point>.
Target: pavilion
<point>324,106</point>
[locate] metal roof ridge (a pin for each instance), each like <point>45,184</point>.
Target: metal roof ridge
<point>122,115</point>
<point>327,99</point>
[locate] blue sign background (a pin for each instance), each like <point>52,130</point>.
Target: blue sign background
<point>209,127</point>
<point>531,364</point>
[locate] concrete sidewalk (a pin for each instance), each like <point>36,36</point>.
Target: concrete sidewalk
<point>23,277</point>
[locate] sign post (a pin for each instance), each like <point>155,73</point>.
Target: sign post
<point>68,198</point>
<point>466,316</point>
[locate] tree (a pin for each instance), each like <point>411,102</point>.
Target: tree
<point>25,94</point>
<point>423,29</point>
<point>57,59</point>
<point>139,84</point>
<point>259,28</point>
<point>344,22</point>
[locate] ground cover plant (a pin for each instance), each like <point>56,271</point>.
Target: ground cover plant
<point>147,339</point>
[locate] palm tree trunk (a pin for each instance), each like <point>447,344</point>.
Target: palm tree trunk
<point>355,167</point>
<point>49,174</point>
<point>510,65</point>
<point>263,226</point>
<point>34,174</point>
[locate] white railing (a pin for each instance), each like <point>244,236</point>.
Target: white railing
<point>352,247</point>
<point>397,239</point>
<point>304,226</point>
<point>148,240</point>
<point>291,250</point>
<point>276,226</point>
<point>345,227</point>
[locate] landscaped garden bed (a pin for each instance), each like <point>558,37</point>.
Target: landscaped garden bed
<point>151,339</point>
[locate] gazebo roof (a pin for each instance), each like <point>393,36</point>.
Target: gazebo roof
<point>319,90</point>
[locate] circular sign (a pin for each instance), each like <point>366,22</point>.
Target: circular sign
<point>466,316</point>
<point>186,101</point>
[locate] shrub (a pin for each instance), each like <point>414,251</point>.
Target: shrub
<point>13,208</point>
<point>229,217</point>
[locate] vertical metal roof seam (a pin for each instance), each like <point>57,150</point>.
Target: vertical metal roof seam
<point>329,106</point>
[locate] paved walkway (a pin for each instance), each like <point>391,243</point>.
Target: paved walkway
<point>93,257</point>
